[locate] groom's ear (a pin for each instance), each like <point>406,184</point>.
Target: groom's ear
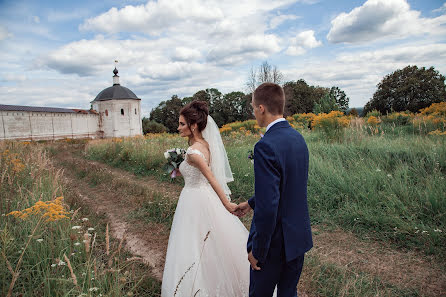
<point>262,108</point>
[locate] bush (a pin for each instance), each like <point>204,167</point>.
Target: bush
<point>398,118</point>
<point>332,124</point>
<point>374,113</point>
<point>153,127</point>
<point>249,125</point>
<point>432,118</point>
<point>303,120</point>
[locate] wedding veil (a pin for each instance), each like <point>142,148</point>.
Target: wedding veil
<point>219,159</point>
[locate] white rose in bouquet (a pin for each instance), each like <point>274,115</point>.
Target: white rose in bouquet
<point>174,158</point>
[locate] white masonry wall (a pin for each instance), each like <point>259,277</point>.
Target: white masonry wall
<point>116,124</point>
<point>23,125</point>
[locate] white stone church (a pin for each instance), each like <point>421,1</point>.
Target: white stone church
<point>116,112</point>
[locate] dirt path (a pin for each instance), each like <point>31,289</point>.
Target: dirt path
<point>146,241</point>
<point>149,241</point>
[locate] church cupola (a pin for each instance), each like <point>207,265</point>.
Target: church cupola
<point>115,77</point>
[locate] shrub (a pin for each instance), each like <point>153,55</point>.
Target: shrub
<point>331,124</point>
<point>153,127</point>
<point>374,121</point>
<point>398,118</point>
<point>431,118</point>
<point>374,113</point>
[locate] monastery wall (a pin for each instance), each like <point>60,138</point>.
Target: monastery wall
<point>25,125</point>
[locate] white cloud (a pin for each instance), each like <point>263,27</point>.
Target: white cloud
<point>185,54</point>
<point>244,49</point>
<point>303,41</point>
<point>358,73</point>
<point>36,19</point>
<point>441,9</point>
<point>153,17</point>
<point>295,50</point>
<point>377,19</point>
<point>13,78</point>
<point>4,33</point>
<point>280,19</point>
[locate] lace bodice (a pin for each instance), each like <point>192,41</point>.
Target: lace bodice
<point>192,175</point>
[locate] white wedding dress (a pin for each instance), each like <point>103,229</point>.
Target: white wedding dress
<point>206,254</point>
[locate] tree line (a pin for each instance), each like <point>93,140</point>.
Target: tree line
<point>411,88</point>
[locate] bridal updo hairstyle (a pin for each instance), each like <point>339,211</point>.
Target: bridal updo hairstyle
<point>271,96</point>
<point>196,112</point>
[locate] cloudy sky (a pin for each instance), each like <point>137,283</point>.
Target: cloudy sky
<point>62,53</point>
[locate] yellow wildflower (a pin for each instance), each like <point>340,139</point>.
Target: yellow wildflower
<point>51,210</point>
<point>373,121</point>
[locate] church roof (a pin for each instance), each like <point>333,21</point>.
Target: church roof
<point>116,92</point>
<point>34,108</point>
<point>43,109</point>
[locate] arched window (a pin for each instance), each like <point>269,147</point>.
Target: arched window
<point>122,111</point>
<point>106,112</point>
<point>135,110</point>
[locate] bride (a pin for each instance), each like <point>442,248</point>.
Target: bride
<point>206,254</point>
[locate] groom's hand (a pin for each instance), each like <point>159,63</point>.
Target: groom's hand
<point>242,209</point>
<point>253,261</point>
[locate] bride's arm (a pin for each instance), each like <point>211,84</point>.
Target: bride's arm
<point>200,163</point>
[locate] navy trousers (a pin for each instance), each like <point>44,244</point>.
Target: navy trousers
<point>276,271</point>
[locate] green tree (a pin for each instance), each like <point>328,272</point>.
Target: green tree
<point>234,106</point>
<point>410,88</point>
<point>149,126</point>
<point>326,104</point>
<point>167,113</point>
<point>208,95</point>
<point>300,97</point>
<point>340,98</point>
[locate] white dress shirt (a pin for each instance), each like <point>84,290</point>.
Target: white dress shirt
<point>274,122</point>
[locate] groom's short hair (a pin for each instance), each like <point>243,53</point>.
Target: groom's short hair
<point>271,96</point>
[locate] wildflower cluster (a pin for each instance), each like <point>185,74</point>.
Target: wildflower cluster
<point>13,160</point>
<point>240,127</point>
<point>431,120</point>
<point>301,120</point>
<point>436,110</point>
<point>51,210</point>
<point>398,118</point>
<point>332,120</point>
<point>374,121</point>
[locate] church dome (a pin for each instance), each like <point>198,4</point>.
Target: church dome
<point>116,92</point>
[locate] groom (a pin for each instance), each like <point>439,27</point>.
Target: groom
<point>280,231</point>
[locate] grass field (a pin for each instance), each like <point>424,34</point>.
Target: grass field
<point>53,245</point>
<point>383,183</point>
<point>389,186</point>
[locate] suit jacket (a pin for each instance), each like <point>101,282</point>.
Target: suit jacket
<point>280,199</point>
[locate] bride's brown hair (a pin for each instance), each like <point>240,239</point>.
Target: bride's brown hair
<point>196,112</point>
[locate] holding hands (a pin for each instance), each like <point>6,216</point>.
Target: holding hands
<point>238,210</point>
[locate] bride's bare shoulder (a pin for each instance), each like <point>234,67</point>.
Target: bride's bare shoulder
<point>203,148</point>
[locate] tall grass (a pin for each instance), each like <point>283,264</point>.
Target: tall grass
<point>385,186</point>
<point>139,155</point>
<point>63,256</point>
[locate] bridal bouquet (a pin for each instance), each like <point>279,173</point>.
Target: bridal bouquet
<point>174,158</point>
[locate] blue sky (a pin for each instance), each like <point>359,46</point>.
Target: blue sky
<point>61,53</point>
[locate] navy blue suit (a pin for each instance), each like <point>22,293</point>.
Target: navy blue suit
<point>280,231</point>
